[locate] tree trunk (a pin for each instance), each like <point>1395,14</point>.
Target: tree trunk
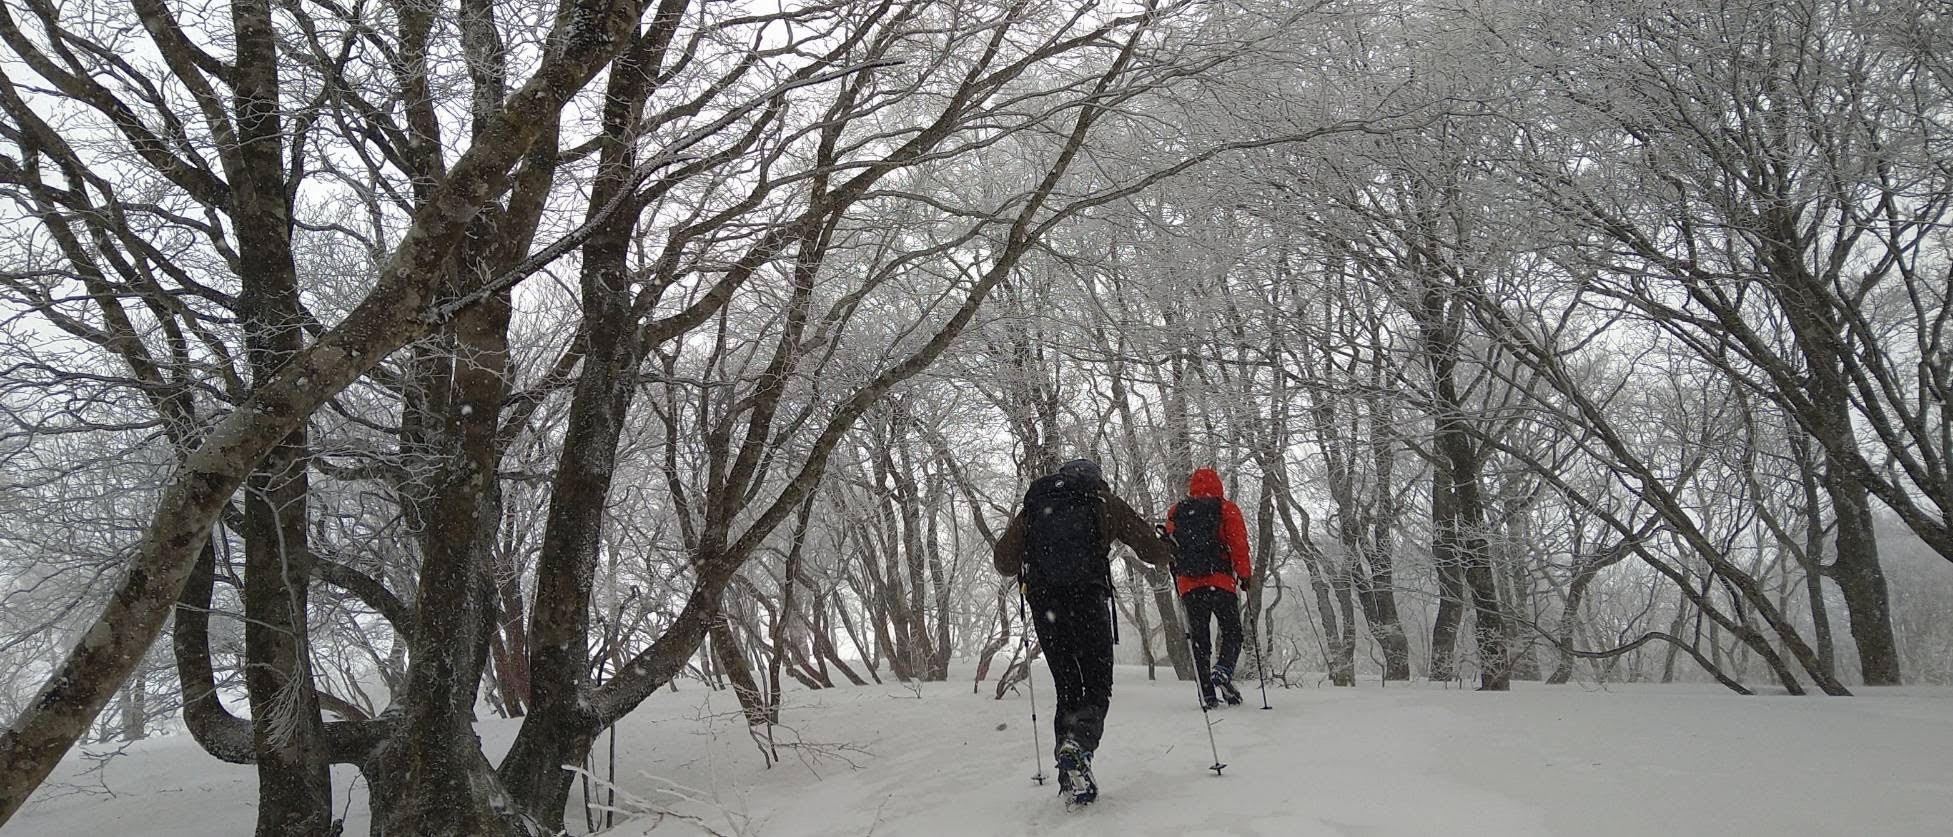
<point>294,790</point>
<point>998,640</point>
<point>725,649</point>
<point>1251,602</point>
<point>511,636</point>
<point>1135,584</point>
<point>445,784</point>
<point>1675,628</point>
<point>1451,578</point>
<point>135,709</point>
<point>1812,555</point>
<point>1861,580</point>
<point>1344,584</point>
<point>1339,651</point>
<point>1519,600</point>
<point>1376,594</point>
<point>1576,593</point>
<point>1166,605</point>
<point>1488,626</point>
<point>1821,339</point>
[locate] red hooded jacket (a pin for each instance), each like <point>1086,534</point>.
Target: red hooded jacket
<point>1234,535</point>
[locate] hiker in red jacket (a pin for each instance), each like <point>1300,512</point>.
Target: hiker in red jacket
<point>1212,568</point>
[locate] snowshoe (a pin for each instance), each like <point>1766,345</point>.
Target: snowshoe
<point>1210,702</point>
<point>1075,780</point>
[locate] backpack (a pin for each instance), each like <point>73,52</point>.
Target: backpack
<point>1061,544</point>
<point>1197,527</point>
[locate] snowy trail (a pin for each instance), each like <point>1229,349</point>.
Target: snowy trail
<point>1418,760</point>
<point>1406,760</point>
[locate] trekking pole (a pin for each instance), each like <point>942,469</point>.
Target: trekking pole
<point>1261,668</point>
<point>1200,695</point>
<point>1037,741</point>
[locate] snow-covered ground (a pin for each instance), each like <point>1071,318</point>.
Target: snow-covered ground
<point>1412,760</point>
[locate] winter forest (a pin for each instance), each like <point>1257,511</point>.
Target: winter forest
<point>379,374</point>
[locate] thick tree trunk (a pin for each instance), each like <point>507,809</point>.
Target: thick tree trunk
<point>295,796</point>
<point>1451,578</point>
<point>1861,581</point>
<point>446,786</point>
<point>1821,339</point>
<point>558,730</point>
<point>1488,627</point>
<point>559,727</point>
<point>1460,464</point>
<point>294,789</point>
<point>1343,582</point>
<point>732,661</point>
<point>1166,605</point>
<point>1447,621</point>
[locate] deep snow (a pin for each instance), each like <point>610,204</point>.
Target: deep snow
<point>1407,759</point>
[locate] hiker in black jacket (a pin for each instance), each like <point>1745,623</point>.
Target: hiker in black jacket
<point>1058,545</point>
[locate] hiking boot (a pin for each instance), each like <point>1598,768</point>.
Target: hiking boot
<point>1224,684</point>
<point>1075,780</point>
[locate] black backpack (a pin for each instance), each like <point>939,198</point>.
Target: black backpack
<point>1061,546</point>
<point>1197,527</point>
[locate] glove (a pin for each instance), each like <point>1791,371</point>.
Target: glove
<point>1160,528</point>
<point>1244,583</point>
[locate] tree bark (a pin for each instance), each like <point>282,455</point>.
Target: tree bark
<point>1451,577</point>
<point>739,671</point>
<point>294,788</point>
<point>446,785</point>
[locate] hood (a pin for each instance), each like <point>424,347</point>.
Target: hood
<point>1081,469</point>
<point>1204,483</point>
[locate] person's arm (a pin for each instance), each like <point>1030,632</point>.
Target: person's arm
<point>1008,555</point>
<point>1134,531</point>
<point>1234,533</point>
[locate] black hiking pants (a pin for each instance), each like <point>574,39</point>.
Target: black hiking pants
<point>1205,604</point>
<point>1074,628</point>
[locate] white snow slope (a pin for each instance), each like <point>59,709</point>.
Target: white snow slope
<point>1408,759</point>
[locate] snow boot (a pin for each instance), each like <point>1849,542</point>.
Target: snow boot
<point>1224,683</point>
<point>1075,780</point>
